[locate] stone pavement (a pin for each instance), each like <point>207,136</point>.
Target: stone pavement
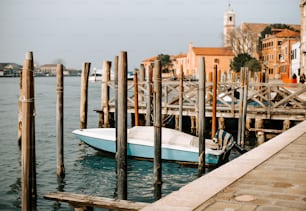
<point>269,177</point>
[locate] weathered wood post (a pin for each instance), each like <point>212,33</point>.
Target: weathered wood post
<point>105,92</point>
<point>141,92</point>
<point>84,95</point>
<point>157,95</point>
<point>214,104</point>
<point>260,136</point>
<point>148,95</point>
<point>193,125</point>
<point>221,123</point>
<point>121,155</point>
<point>28,165</point>
<point>286,124</point>
<point>201,116</point>
<point>60,170</point>
<point>141,80</point>
<point>245,104</point>
<point>241,103</point>
<point>20,111</point>
<point>181,96</point>
<point>136,98</point>
<point>210,87</point>
<point>116,95</point>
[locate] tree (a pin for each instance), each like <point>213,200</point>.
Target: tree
<point>245,60</point>
<point>165,62</point>
<point>242,40</point>
<point>239,61</point>
<point>253,65</point>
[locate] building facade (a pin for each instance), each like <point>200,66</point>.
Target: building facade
<point>295,59</point>
<point>276,52</point>
<point>221,57</point>
<point>303,37</point>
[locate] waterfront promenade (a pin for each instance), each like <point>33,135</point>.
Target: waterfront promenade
<point>269,177</point>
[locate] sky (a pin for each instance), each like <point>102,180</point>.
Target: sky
<point>76,31</point>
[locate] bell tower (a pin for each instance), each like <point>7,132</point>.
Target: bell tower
<point>229,24</point>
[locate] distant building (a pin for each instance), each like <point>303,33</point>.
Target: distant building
<point>221,57</point>
<point>276,52</point>
<point>10,69</point>
<point>49,69</point>
<point>229,25</point>
<point>303,36</point>
<point>295,59</point>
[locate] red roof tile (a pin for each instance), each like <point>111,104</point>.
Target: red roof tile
<point>213,51</point>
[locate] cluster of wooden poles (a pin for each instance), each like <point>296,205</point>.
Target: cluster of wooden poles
<point>26,131</point>
<point>120,79</point>
<point>26,134</point>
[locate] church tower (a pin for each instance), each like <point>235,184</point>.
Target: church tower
<point>229,24</point>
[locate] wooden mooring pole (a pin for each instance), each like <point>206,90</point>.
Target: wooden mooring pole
<point>141,77</point>
<point>245,104</point>
<point>28,167</point>
<point>201,116</point>
<point>214,104</point>
<point>20,111</point>
<point>60,170</point>
<point>148,95</point>
<point>136,97</point>
<point>84,95</point>
<point>181,95</point>
<point>241,105</point>
<point>105,93</point>
<point>116,60</point>
<point>121,155</point>
<point>157,96</point>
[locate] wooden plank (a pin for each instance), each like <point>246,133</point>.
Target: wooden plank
<point>266,130</point>
<point>81,200</point>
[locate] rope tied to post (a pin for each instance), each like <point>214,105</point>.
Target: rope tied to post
<point>23,99</point>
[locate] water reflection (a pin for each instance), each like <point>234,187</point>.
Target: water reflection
<point>101,171</point>
<point>15,189</point>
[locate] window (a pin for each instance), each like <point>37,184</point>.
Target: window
<point>279,57</point>
<point>283,69</point>
<point>216,61</point>
<point>270,71</point>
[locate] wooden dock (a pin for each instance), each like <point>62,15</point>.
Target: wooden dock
<point>275,100</point>
<point>269,177</point>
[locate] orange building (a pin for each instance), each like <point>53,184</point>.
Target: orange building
<point>221,57</point>
<point>276,52</point>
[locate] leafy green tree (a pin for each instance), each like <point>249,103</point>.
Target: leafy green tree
<point>240,61</point>
<point>245,60</point>
<point>165,62</point>
<point>253,65</point>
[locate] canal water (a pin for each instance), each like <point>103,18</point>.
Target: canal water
<point>87,172</point>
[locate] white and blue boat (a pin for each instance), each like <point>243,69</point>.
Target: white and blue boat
<point>176,146</point>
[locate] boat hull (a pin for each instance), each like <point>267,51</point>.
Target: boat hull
<point>145,150</point>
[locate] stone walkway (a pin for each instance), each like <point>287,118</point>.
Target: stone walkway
<point>277,184</point>
<point>269,177</point>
